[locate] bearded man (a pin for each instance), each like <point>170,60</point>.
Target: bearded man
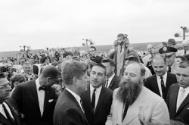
<point>134,104</point>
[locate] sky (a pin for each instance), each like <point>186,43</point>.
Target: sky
<point>65,23</point>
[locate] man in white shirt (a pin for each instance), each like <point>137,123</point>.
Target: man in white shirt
<point>134,104</point>
<point>178,95</point>
<point>36,99</point>
<point>69,109</point>
<point>160,82</point>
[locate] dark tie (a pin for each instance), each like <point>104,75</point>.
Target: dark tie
<point>8,115</point>
<point>126,106</point>
<point>43,88</point>
<point>169,69</point>
<point>163,87</point>
<point>93,99</point>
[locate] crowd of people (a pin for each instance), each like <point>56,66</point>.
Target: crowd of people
<point>69,88</point>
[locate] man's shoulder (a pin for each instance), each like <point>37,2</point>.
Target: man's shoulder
<point>150,96</point>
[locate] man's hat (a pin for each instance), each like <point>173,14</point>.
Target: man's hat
<point>171,42</point>
<point>167,49</point>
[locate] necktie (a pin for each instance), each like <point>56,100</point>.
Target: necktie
<point>126,106</point>
<point>8,115</point>
<point>163,87</point>
<point>181,97</point>
<point>93,99</point>
<point>169,69</point>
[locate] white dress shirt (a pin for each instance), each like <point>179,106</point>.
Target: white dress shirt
<point>41,96</point>
<point>181,96</point>
<point>159,83</point>
<point>110,79</point>
<point>3,112</point>
<point>97,94</point>
<point>77,97</point>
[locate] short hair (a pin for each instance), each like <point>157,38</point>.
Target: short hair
<point>72,69</point>
<point>108,61</point>
<point>50,71</point>
<point>185,62</point>
<point>142,68</point>
<point>18,78</point>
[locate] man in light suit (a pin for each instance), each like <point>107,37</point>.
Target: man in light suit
<point>99,95</point>
<point>35,100</point>
<point>178,95</point>
<point>134,104</point>
<point>8,115</point>
<point>69,109</point>
<point>162,80</point>
<point>112,81</point>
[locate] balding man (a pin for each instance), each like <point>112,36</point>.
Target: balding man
<point>35,100</point>
<point>160,82</point>
<point>134,104</point>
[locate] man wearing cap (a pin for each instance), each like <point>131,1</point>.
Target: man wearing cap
<point>112,80</point>
<point>8,115</point>
<point>170,54</point>
<point>35,100</point>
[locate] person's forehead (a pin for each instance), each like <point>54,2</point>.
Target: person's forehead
<point>169,54</point>
<point>158,62</point>
<point>133,68</point>
<point>98,69</point>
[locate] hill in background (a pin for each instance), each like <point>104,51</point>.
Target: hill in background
<point>103,48</point>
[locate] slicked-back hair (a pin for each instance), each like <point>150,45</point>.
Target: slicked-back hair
<point>73,69</point>
<point>50,71</point>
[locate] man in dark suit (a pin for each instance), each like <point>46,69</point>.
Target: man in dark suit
<point>69,109</point>
<point>97,99</point>
<point>8,115</point>
<point>178,95</point>
<point>35,100</point>
<point>112,80</point>
<point>162,80</point>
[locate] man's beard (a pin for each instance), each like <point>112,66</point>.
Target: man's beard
<point>128,91</point>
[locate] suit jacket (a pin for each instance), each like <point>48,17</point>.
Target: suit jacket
<point>153,108</point>
<point>67,111</point>
<point>114,83</point>
<point>25,99</point>
<point>6,121</point>
<point>102,108</point>
<point>152,84</point>
<point>183,111</point>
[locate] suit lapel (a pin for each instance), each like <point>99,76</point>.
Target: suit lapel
<point>156,87</point>
<point>4,120</point>
<point>185,102</point>
<point>35,97</point>
<point>112,81</point>
<point>100,100</point>
<point>173,100</point>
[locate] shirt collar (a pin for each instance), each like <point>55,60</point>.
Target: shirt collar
<point>164,76</point>
<point>111,77</point>
<point>185,89</point>
<point>77,97</point>
<point>37,84</point>
<point>97,89</point>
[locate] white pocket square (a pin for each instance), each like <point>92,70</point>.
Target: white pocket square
<point>187,108</point>
<point>50,100</point>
